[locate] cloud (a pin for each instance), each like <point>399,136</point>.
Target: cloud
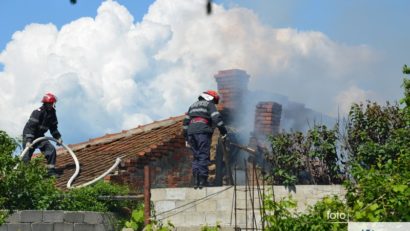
<point>111,73</point>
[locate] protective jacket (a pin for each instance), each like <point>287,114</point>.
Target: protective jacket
<point>202,117</point>
<point>41,120</point>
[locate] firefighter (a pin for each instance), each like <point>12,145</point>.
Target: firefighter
<point>40,121</point>
<point>198,126</point>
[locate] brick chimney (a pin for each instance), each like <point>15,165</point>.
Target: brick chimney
<point>267,119</point>
<point>232,84</point>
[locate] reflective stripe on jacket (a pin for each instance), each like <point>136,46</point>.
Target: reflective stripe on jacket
<point>206,110</point>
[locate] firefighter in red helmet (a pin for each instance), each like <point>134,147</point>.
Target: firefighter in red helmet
<point>198,125</point>
<point>42,120</point>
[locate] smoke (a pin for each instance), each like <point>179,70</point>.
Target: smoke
<point>111,73</point>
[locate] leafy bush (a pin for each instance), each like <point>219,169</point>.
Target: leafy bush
<point>376,141</point>
<point>86,198</point>
<point>137,219</point>
<point>27,187</point>
<point>282,215</point>
<point>305,159</point>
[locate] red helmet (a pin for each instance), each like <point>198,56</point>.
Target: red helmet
<point>49,98</point>
<point>213,94</point>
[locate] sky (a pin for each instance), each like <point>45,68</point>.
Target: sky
<point>115,65</point>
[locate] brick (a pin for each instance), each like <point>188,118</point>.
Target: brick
<point>74,217</point>
<point>53,216</point>
<point>42,227</point>
<point>31,216</point>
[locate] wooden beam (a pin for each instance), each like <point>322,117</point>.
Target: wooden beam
<point>147,195</point>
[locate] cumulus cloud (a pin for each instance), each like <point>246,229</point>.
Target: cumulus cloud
<point>112,73</point>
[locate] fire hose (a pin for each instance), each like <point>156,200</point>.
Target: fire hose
<point>77,164</point>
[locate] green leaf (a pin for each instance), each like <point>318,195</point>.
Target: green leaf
<point>400,188</point>
<point>373,207</point>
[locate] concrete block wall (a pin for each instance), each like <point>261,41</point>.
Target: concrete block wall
<point>189,209</point>
<point>55,220</point>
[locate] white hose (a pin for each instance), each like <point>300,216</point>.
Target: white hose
<point>117,162</point>
<point>77,164</point>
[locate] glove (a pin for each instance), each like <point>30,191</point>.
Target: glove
<point>59,142</point>
<point>224,137</point>
<point>187,144</point>
<point>28,144</point>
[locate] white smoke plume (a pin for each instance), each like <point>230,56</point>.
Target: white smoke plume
<point>111,73</point>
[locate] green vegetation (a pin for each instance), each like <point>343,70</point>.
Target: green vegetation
<point>217,227</point>
<point>27,187</point>
<point>375,142</point>
<point>137,219</point>
<point>305,159</point>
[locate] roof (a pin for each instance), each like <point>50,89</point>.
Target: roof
<point>97,155</point>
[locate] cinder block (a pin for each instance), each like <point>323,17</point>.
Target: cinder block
<point>197,218</point>
<point>158,194</point>
<point>42,227</point>
<point>93,218</point>
<point>196,194</point>
<point>109,219</point>
<point>177,220</point>
<point>162,206</point>
<point>84,227</point>
<point>210,219</point>
<point>73,217</point>
<point>225,218</point>
<point>175,193</point>
<point>219,192</point>
<point>14,217</point>
<point>63,227</point>
<point>224,204</point>
<point>206,206</point>
<point>186,205</point>
<point>101,227</point>
<point>31,216</point>
<point>18,227</point>
<point>3,228</point>
<point>53,216</point>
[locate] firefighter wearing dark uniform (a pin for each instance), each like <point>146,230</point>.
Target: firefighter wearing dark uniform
<point>198,126</point>
<point>40,121</point>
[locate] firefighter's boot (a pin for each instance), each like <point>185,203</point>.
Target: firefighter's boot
<point>196,180</point>
<point>203,182</point>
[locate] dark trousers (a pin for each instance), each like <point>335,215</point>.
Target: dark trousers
<point>46,148</point>
<point>201,147</point>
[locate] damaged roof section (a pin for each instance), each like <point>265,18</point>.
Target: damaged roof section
<point>139,145</point>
